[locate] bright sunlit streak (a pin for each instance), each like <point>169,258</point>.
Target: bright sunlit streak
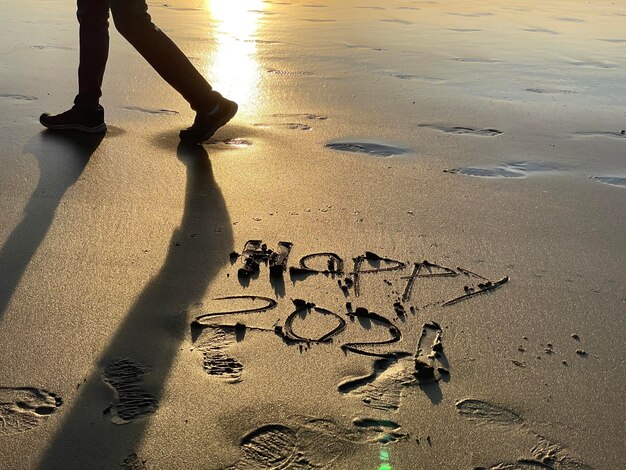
<point>234,68</point>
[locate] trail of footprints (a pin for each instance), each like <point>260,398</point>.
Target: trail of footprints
<point>519,170</point>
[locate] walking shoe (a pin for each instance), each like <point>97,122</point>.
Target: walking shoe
<point>76,119</point>
<point>206,123</point>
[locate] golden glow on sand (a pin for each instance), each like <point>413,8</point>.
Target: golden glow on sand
<point>234,67</point>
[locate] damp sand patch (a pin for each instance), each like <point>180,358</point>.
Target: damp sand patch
<point>374,149</point>
<point>505,170</point>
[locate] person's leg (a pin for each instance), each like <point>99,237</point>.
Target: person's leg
<point>212,109</point>
<point>132,20</point>
<point>87,115</point>
<point>93,16</point>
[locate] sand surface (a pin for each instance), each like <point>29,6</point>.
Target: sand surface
<point>457,170</point>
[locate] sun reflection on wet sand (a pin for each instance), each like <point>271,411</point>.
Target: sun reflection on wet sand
<point>234,65</point>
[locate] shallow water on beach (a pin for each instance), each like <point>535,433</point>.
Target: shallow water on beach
<point>521,74</point>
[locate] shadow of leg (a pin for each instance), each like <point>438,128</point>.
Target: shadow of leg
<point>148,339</point>
<point>62,157</point>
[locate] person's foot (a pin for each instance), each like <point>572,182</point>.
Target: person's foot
<point>207,122</point>
<point>76,119</point>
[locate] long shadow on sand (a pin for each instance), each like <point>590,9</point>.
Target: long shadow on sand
<point>151,333</point>
<point>62,157</point>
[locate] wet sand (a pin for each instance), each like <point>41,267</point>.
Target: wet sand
<point>406,251</point>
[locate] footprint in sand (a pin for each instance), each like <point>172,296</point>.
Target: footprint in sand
<point>471,15</point>
<point>592,64</point>
<point>213,343</point>
<point>477,60</point>
<point>384,388</point>
<point>13,96</point>
<point>522,464</point>
<point>318,20</point>
<point>396,20</point>
<point>178,8</point>
<point>168,112</point>
<point>287,125</point>
<point>463,130</point>
<point>23,408</point>
<point>132,402</point>
<point>362,46</point>
<point>619,134</point>
<point>368,148</point>
<point>545,454</point>
<point>134,462</point>
<point>409,76</point>
<point>505,170</point>
<point>59,48</point>
<point>611,180</point>
<point>551,91</point>
<point>540,30</point>
<point>313,117</point>
<point>289,72</point>
<point>568,20</point>
<point>305,443</point>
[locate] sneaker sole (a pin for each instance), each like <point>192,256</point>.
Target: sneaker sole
<point>222,122</point>
<point>101,129</point>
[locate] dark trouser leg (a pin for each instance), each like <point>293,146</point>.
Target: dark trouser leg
<point>134,23</point>
<point>93,18</point>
